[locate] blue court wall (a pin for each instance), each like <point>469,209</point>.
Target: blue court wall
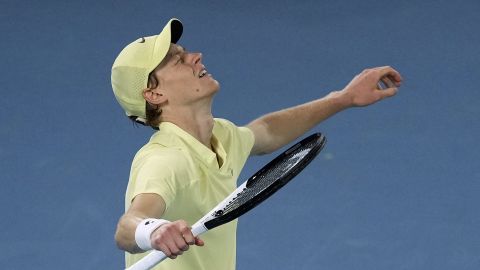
<point>397,186</point>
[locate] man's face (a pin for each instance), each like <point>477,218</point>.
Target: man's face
<point>184,78</point>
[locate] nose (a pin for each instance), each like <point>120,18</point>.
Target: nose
<point>197,58</point>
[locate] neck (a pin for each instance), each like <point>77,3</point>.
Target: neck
<point>197,122</point>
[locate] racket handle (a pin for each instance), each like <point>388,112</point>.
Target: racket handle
<point>156,256</point>
<point>149,261</point>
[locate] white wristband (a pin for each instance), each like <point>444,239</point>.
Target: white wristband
<point>144,231</point>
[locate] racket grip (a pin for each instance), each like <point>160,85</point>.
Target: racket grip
<point>156,256</point>
<point>149,261</point>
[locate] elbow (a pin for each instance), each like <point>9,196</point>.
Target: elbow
<point>258,152</point>
<point>267,146</point>
<point>119,240</point>
<point>122,245</point>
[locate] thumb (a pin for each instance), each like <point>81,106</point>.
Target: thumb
<point>199,242</point>
<point>389,92</point>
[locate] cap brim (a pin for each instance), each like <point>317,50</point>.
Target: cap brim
<point>171,33</point>
<point>176,28</point>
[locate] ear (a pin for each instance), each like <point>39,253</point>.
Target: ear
<point>154,96</point>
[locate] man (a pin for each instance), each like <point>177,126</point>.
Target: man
<point>193,161</point>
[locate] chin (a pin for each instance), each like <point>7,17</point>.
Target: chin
<point>213,86</point>
<point>217,86</point>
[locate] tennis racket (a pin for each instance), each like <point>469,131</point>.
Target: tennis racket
<point>255,190</point>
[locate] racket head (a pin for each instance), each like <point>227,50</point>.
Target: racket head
<point>269,179</point>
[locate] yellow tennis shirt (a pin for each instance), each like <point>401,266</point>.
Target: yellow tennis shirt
<point>191,180</point>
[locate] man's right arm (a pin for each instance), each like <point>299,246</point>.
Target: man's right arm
<point>172,238</point>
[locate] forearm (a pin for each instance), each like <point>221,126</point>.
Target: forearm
<point>144,206</point>
<point>125,234</point>
<point>172,238</point>
<point>286,125</point>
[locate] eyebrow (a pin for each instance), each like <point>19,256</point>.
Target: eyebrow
<point>176,51</point>
<point>169,57</point>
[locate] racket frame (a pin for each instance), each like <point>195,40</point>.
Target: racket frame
<point>215,217</point>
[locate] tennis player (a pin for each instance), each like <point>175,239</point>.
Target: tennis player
<point>192,162</point>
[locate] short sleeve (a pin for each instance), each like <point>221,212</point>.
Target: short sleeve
<point>248,139</point>
<point>241,138</point>
<point>157,173</point>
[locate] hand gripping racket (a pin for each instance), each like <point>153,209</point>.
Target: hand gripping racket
<point>255,190</point>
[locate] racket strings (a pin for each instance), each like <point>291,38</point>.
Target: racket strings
<point>267,178</point>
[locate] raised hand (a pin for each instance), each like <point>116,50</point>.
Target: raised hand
<point>366,87</point>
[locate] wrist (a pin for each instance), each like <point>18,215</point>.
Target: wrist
<point>145,229</point>
<point>342,99</point>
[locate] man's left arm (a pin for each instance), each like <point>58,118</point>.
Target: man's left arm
<point>275,130</point>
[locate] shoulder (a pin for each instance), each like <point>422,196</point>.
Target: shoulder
<point>224,128</point>
<point>160,158</point>
<point>233,136</point>
<point>224,124</point>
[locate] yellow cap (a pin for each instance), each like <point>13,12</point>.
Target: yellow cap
<point>132,66</point>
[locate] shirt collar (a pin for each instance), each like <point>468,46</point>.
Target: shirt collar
<point>170,135</point>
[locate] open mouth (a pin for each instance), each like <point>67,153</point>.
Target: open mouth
<point>202,73</point>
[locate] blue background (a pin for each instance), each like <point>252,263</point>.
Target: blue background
<point>397,186</point>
